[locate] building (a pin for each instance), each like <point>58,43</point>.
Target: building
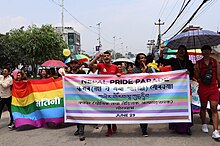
<point>72,38</point>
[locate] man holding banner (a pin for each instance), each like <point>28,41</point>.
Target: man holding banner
<point>106,68</point>
<point>74,69</point>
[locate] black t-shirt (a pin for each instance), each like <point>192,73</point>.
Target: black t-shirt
<point>81,72</point>
<point>78,72</point>
<point>178,64</point>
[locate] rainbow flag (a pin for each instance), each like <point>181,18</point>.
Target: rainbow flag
<point>162,97</point>
<point>37,102</point>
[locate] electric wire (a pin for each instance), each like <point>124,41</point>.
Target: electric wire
<point>159,14</point>
<point>205,9</point>
<point>182,9</point>
<point>177,25</point>
<point>80,22</point>
<point>182,6</point>
<point>193,15</point>
<point>171,10</point>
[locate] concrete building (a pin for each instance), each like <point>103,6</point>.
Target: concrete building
<point>72,38</point>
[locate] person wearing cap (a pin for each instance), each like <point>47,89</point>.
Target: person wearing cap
<point>208,91</point>
<point>74,69</point>
<point>106,68</point>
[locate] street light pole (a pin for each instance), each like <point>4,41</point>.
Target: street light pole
<point>62,16</point>
<point>99,34</point>
<point>114,46</point>
<point>122,48</point>
<point>114,42</point>
<point>99,28</point>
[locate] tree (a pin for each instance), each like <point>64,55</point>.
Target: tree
<point>33,46</point>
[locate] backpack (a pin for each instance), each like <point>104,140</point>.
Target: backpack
<point>207,77</point>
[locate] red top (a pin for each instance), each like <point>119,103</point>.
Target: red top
<point>107,69</point>
<point>203,68</point>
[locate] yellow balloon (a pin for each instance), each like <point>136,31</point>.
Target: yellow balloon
<point>66,52</point>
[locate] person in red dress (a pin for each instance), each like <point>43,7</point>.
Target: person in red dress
<point>208,92</point>
<point>106,68</point>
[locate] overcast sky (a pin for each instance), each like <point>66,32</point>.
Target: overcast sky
<point>131,20</point>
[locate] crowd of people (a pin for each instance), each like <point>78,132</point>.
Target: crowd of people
<point>102,64</point>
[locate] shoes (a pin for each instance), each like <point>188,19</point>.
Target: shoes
<point>108,133</point>
<point>114,128</point>
<point>145,134</point>
<point>81,137</point>
<point>76,133</point>
<point>96,126</point>
<point>11,126</point>
<point>189,132</point>
<point>215,134</point>
<point>205,128</point>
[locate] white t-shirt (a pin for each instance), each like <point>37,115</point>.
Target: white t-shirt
<point>5,86</point>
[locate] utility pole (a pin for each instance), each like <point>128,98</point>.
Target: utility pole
<point>98,48</point>
<point>114,47</point>
<point>62,17</point>
<point>114,42</point>
<point>122,48</point>
<point>99,28</point>
<point>159,35</point>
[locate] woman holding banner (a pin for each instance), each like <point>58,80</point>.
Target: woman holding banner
<point>180,62</point>
<point>141,62</point>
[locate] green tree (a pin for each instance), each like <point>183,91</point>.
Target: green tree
<point>32,46</point>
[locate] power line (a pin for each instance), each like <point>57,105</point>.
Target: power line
<point>182,9</point>
<point>167,1</point>
<point>171,10</point>
<point>80,21</point>
<point>193,15</point>
<point>159,14</point>
<point>182,6</point>
<point>205,9</point>
<point>176,28</point>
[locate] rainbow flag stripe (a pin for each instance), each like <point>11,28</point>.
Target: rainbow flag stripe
<point>37,102</point>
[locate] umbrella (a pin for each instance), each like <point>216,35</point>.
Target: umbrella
<point>53,63</point>
<point>193,39</point>
<point>123,60</point>
<point>79,57</point>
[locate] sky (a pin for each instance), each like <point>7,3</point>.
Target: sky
<point>132,22</point>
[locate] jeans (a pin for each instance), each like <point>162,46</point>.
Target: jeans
<point>143,127</point>
<point>80,128</point>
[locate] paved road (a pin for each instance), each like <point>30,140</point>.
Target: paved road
<point>127,135</point>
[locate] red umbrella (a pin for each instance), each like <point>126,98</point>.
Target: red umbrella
<point>53,63</point>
